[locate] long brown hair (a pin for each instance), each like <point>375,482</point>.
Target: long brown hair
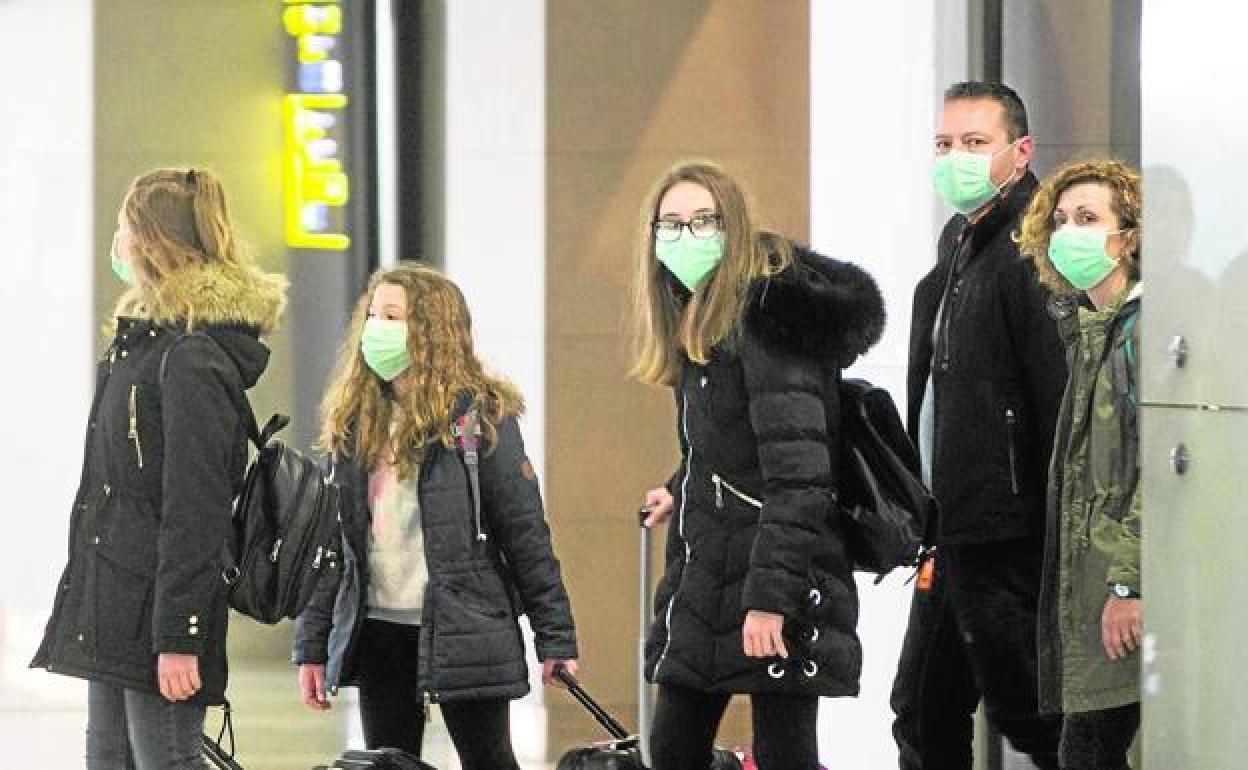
<point>1123,183</point>
<point>177,220</point>
<point>665,328</point>
<point>358,410</point>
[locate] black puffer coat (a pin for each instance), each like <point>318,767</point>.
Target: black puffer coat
<point>164,456</point>
<point>755,525</point>
<point>470,643</point>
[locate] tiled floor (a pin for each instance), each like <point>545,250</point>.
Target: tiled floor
<point>42,718</point>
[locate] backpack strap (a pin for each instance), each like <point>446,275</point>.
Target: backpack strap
<point>1127,324</point>
<point>467,433</point>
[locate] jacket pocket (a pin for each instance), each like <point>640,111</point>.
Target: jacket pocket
<point>722,487</point>
<point>1011,445</point>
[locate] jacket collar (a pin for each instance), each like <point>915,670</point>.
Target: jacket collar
<point>1003,213</point>
<point>817,306</point>
<point>212,294</point>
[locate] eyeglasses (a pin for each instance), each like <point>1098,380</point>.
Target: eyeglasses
<point>700,226</point>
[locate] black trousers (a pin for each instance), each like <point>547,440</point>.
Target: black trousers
<point>685,723</point>
<point>1099,740</point>
<point>392,706</point>
<point>973,635</point>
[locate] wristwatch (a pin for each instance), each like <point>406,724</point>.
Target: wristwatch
<point>1123,591</point>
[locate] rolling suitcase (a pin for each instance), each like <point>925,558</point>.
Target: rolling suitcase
<point>625,751</point>
<point>376,759</point>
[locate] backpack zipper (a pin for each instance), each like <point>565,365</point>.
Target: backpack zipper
<point>721,484</point>
<point>134,424</point>
<point>1011,420</point>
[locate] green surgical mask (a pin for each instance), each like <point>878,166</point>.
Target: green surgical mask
<point>689,258</point>
<point>384,345</point>
<point>121,268</point>
<point>1079,255</point>
<point>964,179</point>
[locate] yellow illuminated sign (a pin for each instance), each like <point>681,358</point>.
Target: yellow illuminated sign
<point>313,127</point>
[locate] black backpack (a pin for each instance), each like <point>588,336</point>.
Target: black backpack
<point>881,489</point>
<point>284,533</point>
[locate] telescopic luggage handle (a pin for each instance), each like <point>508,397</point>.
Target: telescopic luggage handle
<point>645,706</point>
<point>610,723</point>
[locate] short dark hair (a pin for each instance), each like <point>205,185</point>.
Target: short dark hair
<point>1015,112</point>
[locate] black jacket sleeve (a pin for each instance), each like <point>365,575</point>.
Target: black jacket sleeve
<point>788,414</point>
<point>512,502</point>
<point>201,436</point>
<point>1039,349</point>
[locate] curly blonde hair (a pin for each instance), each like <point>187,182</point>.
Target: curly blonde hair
<point>1123,183</point>
<point>359,409</point>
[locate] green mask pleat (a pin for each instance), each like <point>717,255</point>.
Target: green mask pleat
<point>1078,253</point>
<point>384,345</point>
<point>691,259</point>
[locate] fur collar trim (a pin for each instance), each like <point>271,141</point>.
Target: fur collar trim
<point>212,294</point>
<point>817,306</point>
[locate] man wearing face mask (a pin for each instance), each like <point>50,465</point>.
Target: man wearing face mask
<point>985,378</point>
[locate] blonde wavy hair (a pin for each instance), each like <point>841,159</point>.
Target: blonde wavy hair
<point>665,328</point>
<point>1123,183</point>
<point>359,410</point>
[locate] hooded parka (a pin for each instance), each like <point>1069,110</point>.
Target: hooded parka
<point>755,525</point>
<point>1093,533</point>
<point>482,575</point>
<point>165,453</point>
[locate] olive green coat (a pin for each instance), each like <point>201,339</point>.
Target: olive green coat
<point>1093,526</point>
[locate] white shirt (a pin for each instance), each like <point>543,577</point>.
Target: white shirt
<point>396,548</point>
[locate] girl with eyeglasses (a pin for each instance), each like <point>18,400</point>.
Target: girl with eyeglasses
<point>758,597</point>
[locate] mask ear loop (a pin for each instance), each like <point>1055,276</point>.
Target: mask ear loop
<point>1009,179</point>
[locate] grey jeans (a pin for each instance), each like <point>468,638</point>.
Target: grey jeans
<point>130,730</point>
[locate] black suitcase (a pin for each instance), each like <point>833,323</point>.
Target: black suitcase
<point>624,751</point>
<point>376,759</point>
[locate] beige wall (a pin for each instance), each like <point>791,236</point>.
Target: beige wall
<point>633,88</point>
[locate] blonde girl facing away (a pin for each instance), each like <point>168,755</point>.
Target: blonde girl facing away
<point>140,610</point>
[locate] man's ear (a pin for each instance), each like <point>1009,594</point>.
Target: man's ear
<point>1026,148</point>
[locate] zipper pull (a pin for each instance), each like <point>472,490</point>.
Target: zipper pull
<point>276,547</point>
<point>134,424</point>
<point>719,490</point>
<point>1009,416</point>
<point>316,561</point>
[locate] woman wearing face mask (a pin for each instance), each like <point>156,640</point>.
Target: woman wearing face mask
<point>141,608</point>
<point>758,594</point>
<point>444,546</point>
<point>1083,232</point>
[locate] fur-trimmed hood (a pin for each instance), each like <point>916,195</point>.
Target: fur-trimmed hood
<point>216,293</point>
<point>817,306</point>
<point>234,304</point>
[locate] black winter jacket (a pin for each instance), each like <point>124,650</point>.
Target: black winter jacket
<point>756,526</point>
<point>470,643</point>
<point>165,454</point>
<point>999,373</point>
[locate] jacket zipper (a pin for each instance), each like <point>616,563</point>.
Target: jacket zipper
<point>1011,420</point>
<point>680,524</point>
<point>134,424</point>
<point>721,484</point>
